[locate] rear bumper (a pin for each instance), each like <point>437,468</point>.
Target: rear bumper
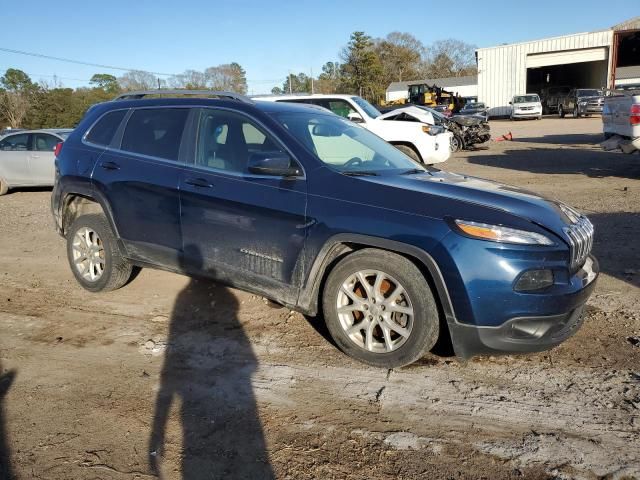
<point>533,333</point>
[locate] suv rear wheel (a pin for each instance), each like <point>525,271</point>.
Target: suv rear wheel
<point>380,309</point>
<point>93,254</point>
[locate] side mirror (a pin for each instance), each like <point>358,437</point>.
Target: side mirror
<point>277,164</point>
<point>355,117</point>
<point>510,103</point>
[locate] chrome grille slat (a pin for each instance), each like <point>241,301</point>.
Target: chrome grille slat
<point>580,238</point>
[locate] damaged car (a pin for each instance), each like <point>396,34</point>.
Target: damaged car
<point>467,130</point>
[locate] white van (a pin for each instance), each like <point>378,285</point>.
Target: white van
<point>526,106</point>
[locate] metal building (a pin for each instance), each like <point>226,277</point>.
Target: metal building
<point>581,60</point>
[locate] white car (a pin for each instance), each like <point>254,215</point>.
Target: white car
<point>526,106</point>
<point>27,158</point>
<point>425,143</point>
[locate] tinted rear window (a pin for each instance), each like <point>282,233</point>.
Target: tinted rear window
<point>102,132</point>
<point>155,132</point>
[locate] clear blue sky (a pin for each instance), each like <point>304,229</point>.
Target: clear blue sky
<point>268,39</point>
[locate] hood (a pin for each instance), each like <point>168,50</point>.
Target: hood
<point>417,113</point>
<point>478,192</point>
<point>591,97</point>
<point>468,120</point>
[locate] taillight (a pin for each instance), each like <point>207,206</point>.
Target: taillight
<point>56,151</point>
<point>634,117</point>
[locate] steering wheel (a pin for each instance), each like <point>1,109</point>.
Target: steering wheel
<point>353,162</point>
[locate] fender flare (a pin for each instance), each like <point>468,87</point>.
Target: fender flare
<point>90,193</point>
<point>337,245</point>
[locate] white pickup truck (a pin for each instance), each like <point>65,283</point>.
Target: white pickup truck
<point>425,143</point>
<point>621,118</point>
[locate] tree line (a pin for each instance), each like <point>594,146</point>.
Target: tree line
<point>366,66</point>
<point>28,104</point>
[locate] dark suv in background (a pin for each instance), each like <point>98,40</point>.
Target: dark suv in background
<point>312,211</point>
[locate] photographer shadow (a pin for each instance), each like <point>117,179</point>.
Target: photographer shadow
<point>6,379</point>
<point>207,370</point>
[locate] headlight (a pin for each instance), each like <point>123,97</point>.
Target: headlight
<point>498,233</point>
<point>433,129</point>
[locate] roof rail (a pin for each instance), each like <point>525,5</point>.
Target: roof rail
<point>180,91</point>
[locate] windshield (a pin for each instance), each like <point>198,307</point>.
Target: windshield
<point>470,106</point>
<point>526,99</point>
<point>367,107</point>
<point>345,146</point>
<point>588,93</point>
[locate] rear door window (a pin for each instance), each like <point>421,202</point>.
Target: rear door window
<point>156,132</point>
<point>43,142</point>
<point>102,132</point>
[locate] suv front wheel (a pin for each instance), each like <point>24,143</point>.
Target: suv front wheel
<point>94,256</point>
<point>380,309</point>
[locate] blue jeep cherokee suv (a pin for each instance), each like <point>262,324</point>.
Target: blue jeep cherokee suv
<point>312,211</point>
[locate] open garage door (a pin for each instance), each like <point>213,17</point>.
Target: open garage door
<point>553,74</point>
<point>565,57</point>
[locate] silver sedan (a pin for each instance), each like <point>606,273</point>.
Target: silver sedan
<point>27,158</point>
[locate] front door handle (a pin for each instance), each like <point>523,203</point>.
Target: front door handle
<point>198,182</point>
<point>110,166</point>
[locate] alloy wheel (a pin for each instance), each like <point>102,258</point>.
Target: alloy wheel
<point>88,254</point>
<point>375,311</point>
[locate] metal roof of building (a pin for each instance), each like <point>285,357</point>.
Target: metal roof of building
<point>631,24</point>
<point>440,82</point>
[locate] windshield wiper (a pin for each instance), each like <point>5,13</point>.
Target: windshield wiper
<point>413,171</point>
<point>360,173</point>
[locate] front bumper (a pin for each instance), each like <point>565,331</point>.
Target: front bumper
<point>587,109</point>
<point>435,148</point>
<point>527,114</point>
<point>534,333</point>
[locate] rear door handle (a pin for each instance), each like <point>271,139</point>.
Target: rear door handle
<point>198,182</point>
<point>110,166</point>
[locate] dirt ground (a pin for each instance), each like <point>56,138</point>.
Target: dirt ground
<point>189,379</point>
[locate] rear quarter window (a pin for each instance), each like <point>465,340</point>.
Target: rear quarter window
<point>156,132</point>
<point>103,131</point>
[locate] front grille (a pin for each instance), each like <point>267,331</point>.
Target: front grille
<point>580,236</point>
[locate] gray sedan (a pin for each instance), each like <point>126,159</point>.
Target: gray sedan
<point>27,158</point>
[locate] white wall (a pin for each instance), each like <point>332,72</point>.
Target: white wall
<point>502,70</point>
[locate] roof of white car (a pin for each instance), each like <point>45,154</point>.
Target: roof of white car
<point>275,98</point>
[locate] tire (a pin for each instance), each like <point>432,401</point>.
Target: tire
<point>457,143</point>
<point>560,111</point>
<point>409,152</point>
<point>110,269</point>
<point>511,118</point>
<point>385,347</point>
<point>539,117</point>
<point>4,187</point>
<point>576,112</point>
